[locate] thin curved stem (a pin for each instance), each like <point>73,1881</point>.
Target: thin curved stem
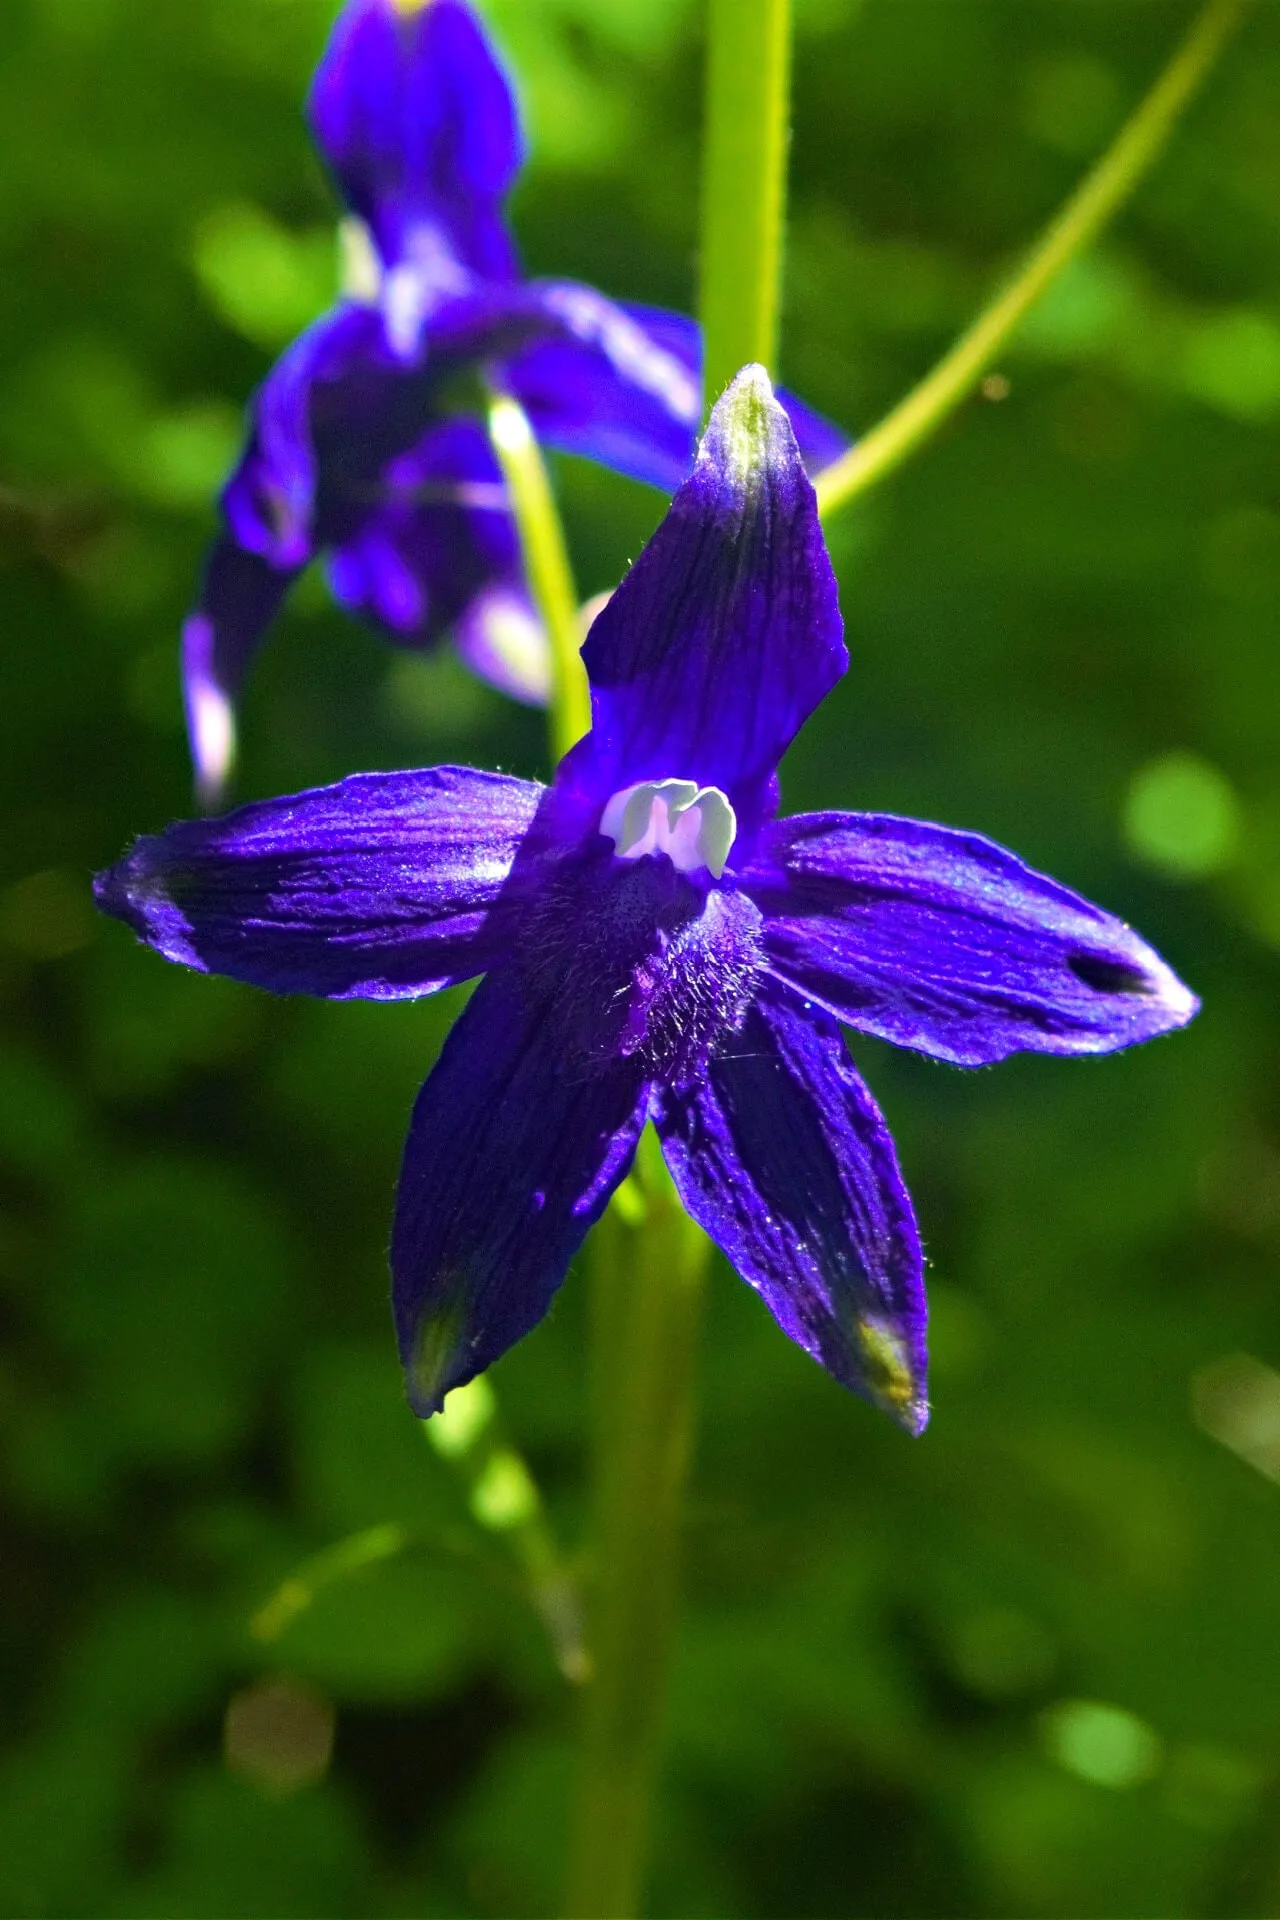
<point>1093,203</point>
<point>547,566</point>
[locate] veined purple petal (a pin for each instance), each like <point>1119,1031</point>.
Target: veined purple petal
<point>726,633</point>
<point>623,385</point>
<point>382,887</point>
<point>417,121</point>
<point>618,384</point>
<point>509,1160</point>
<point>439,551</point>
<point>782,1156</point>
<point>270,500</point>
<point>945,942</point>
<point>240,596</point>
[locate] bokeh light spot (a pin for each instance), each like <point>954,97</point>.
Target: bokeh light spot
<point>1100,1743</point>
<point>1182,817</point>
<point>278,1733</point>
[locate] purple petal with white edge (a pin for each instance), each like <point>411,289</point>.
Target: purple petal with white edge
<point>726,633</point>
<point>417,121</point>
<point>382,887</point>
<point>945,942</point>
<point>509,1160</point>
<point>501,638</point>
<point>782,1157</point>
<point>623,386</point>
<point>239,598</point>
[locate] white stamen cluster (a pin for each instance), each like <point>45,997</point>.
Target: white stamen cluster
<point>694,826</point>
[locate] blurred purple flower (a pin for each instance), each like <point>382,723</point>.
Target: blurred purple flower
<point>367,440</point>
<point>657,944</point>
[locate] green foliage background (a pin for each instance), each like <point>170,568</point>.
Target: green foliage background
<point>881,1698</point>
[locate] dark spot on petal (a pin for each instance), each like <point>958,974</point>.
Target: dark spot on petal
<point>1109,976</point>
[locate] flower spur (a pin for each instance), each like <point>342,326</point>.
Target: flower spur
<point>657,944</point>
<point>367,440</point>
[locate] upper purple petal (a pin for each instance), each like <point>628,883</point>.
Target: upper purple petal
<point>945,942</point>
<point>384,886</point>
<point>623,385</point>
<point>510,1158</point>
<point>617,384</point>
<point>726,633</point>
<point>417,120</point>
<point>782,1156</point>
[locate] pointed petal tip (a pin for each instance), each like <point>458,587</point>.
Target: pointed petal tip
<point>433,1361</point>
<point>748,430</point>
<point>211,718</point>
<point>893,1372</point>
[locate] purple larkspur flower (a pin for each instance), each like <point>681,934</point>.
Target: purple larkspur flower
<point>366,440</point>
<point>657,944</point>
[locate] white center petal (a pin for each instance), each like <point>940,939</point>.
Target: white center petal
<point>694,826</point>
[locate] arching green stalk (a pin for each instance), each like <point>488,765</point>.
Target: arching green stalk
<point>1073,228</point>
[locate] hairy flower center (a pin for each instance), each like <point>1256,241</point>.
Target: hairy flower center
<point>635,958</point>
<point>694,826</point>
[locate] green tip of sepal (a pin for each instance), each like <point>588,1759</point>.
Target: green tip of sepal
<point>889,1379</point>
<point>748,430</point>
<point>433,1364</point>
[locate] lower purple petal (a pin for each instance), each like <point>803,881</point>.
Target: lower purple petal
<point>382,887</point>
<point>510,1158</point>
<point>782,1156</point>
<point>945,942</point>
<point>239,597</point>
<point>438,550</point>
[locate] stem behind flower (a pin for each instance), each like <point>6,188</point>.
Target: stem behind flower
<point>648,1260</point>
<point>743,186</point>
<point>547,567</point>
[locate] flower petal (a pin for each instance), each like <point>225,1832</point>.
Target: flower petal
<point>509,1160</point>
<point>438,530</point>
<point>945,942</point>
<point>623,385</point>
<point>726,633</point>
<point>617,384</point>
<point>239,598</point>
<point>501,638</point>
<point>415,116</point>
<point>782,1156</point>
<point>321,381</point>
<point>382,887</point>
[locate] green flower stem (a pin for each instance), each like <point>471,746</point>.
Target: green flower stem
<point>649,1259</point>
<point>546,561</point>
<point>648,1263</point>
<point>1073,228</point>
<point>743,185</point>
